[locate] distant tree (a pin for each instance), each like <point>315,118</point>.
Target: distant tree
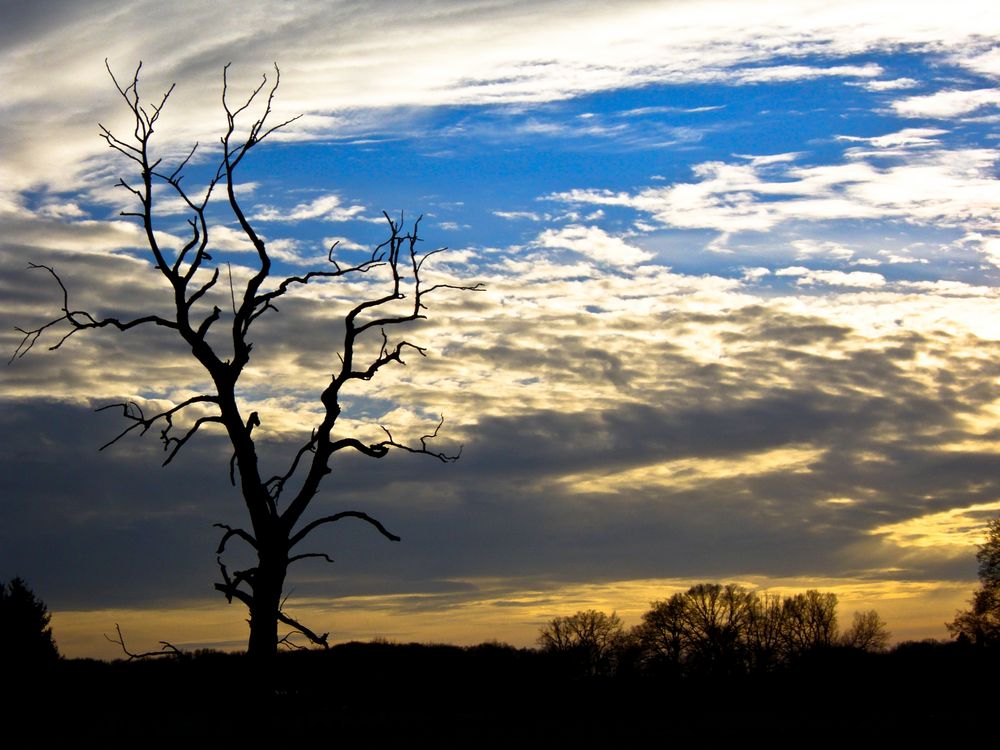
<point>980,624</point>
<point>810,621</point>
<point>715,629</point>
<point>662,633</point>
<point>988,555</point>
<point>703,630</point>
<point>765,631</point>
<point>589,639</point>
<point>715,625</point>
<point>25,635</point>
<point>868,632</point>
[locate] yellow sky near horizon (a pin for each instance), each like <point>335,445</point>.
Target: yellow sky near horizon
<point>912,611</point>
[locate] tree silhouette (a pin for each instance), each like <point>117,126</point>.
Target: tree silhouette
<point>980,624</point>
<point>25,635</point>
<point>726,629</point>
<point>810,621</point>
<point>704,629</point>
<point>221,344</point>
<point>868,632</point>
<point>589,639</point>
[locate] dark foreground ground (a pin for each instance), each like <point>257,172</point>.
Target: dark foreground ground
<point>386,695</point>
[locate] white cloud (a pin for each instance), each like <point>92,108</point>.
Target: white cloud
<point>222,237</point>
<point>594,243</point>
<point>338,62</point>
<point>891,257</point>
<point>987,63</point>
<point>343,243</point>
<point>857,279</point>
<point>806,248</point>
<point>515,215</point>
<point>785,73</point>
<point>67,210</point>
<point>990,247</point>
<point>755,274</point>
<point>890,85</point>
<point>326,208</point>
<point>946,104</point>
<point>949,288</point>
<point>941,186</point>
<point>905,138</point>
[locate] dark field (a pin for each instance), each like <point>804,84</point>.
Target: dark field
<point>379,694</point>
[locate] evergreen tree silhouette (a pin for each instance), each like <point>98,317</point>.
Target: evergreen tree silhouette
<point>25,635</point>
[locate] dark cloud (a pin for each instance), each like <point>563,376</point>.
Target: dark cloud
<point>99,529</point>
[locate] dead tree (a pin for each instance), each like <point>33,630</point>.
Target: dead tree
<point>277,525</point>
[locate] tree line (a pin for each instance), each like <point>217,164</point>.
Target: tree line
<point>713,630</point>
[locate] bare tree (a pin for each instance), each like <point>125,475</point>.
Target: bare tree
<point>277,523</point>
<point>589,637</point>
<point>765,630</point>
<point>868,632</point>
<point>810,621</point>
<point>703,629</point>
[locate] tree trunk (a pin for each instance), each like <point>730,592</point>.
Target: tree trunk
<point>267,585</point>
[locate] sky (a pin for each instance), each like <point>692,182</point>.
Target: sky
<point>741,319</point>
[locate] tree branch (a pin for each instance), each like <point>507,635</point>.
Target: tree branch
<point>133,412</point>
<point>231,532</point>
<point>372,451</point>
<point>303,556</point>
<point>307,529</point>
<point>276,484</point>
<point>319,640</point>
<point>167,649</point>
<point>79,320</point>
<point>443,457</point>
<point>230,587</point>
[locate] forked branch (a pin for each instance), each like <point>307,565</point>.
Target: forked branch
<point>78,320</point>
<point>319,640</point>
<point>166,648</point>
<point>172,444</point>
<point>441,456</point>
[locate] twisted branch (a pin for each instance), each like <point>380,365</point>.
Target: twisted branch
<point>443,457</point>
<point>133,412</point>
<point>167,649</point>
<point>305,531</point>
<point>79,320</point>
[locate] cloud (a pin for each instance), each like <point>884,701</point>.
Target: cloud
<point>947,104</point>
<point>906,138</point>
<point>809,277</point>
<point>325,208</point>
<point>787,73</point>
<point>806,248</point>
<point>617,427</point>
<point>344,243</point>
<point>894,84</point>
<point>516,215</point>
<point>755,274</point>
<point>594,243</point>
<point>953,186</point>
<point>987,63</point>
<point>338,64</point>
